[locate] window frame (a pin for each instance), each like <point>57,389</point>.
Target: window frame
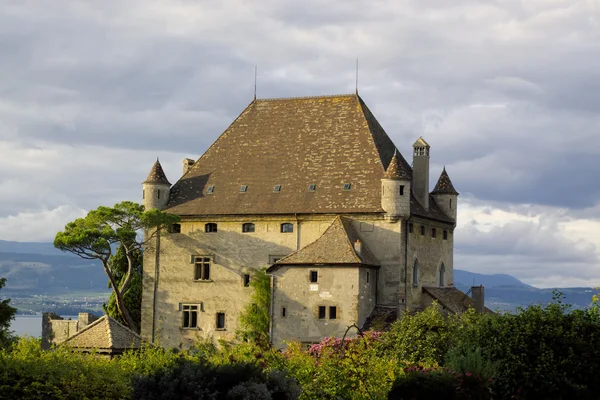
<point>211,227</point>
<point>313,276</point>
<point>248,227</point>
<point>187,310</point>
<point>243,188</point>
<point>286,227</point>
<point>347,186</point>
<point>312,187</point>
<point>277,189</point>
<point>401,190</point>
<point>322,313</point>
<point>415,273</point>
<point>422,230</point>
<point>224,325</point>
<point>445,235</point>
<point>334,309</point>
<point>210,189</point>
<point>410,227</point>
<point>246,280</point>
<point>442,275</point>
<point>433,233</point>
<point>175,228</point>
<point>202,268</point>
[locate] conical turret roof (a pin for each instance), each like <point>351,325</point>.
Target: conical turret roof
<point>444,185</point>
<point>397,170</point>
<point>157,175</point>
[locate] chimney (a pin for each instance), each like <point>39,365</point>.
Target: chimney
<point>357,247</point>
<point>477,294</point>
<point>420,182</point>
<point>187,164</point>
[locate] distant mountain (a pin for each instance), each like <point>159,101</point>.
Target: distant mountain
<point>466,278</point>
<point>29,248</point>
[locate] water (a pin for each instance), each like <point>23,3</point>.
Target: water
<point>30,325</point>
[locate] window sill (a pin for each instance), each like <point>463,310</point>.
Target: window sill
<point>202,280</point>
<point>220,329</point>
<point>181,328</point>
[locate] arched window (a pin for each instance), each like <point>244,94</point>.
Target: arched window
<point>442,275</point>
<point>415,274</point>
<point>210,227</point>
<point>287,227</point>
<point>248,227</point>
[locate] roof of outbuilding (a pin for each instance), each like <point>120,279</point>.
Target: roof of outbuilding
<point>444,184</point>
<point>104,334</point>
<point>334,247</point>
<point>294,142</point>
<point>450,297</point>
<point>157,175</point>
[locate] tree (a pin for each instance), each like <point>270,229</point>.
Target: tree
<point>133,296</point>
<point>255,318</point>
<point>94,237</point>
<point>7,314</point>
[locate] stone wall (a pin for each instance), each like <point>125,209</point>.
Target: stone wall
<point>56,329</point>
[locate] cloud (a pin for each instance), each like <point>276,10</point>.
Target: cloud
<point>40,226</point>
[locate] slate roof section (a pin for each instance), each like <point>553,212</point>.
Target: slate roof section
<point>334,247</point>
<point>292,142</point>
<point>451,298</point>
<point>157,175</point>
<point>105,335</point>
<point>444,185</point>
<point>434,212</point>
<point>396,170</point>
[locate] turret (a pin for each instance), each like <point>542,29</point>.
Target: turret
<point>445,195</point>
<point>156,188</point>
<point>395,189</point>
<point>421,172</point>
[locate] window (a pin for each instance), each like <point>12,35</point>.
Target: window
<point>367,276</point>
<point>332,312</point>
<point>190,315</point>
<point>202,268</point>
<point>314,276</point>
<point>210,189</point>
<point>401,190</point>
<point>283,312</point>
<point>143,194</point>
<point>243,188</point>
<point>450,203</point>
<point>445,235</point>
<point>410,228</point>
<point>433,232</point>
<point>322,310</point>
<point>175,228</point>
<point>312,187</point>
<point>287,227</point>
<point>158,194</point>
<point>347,186</point>
<point>246,280</point>
<point>415,274</point>
<point>248,227</point>
<point>221,320</point>
<point>277,188</point>
<point>422,230</point>
<point>211,227</point>
<point>442,275</point>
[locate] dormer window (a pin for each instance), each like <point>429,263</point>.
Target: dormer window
<point>243,188</point>
<point>210,189</point>
<point>312,187</point>
<point>277,188</point>
<point>347,186</point>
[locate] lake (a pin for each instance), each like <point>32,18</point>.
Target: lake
<point>30,325</point>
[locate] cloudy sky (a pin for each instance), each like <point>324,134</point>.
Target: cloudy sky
<point>506,92</point>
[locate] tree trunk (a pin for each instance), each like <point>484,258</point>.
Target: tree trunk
<point>119,299</point>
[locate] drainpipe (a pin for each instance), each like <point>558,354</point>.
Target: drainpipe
<point>406,262</point>
<point>272,309</point>
<point>156,274</point>
<point>297,232</point>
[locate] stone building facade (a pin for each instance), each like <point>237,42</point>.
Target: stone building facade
<point>315,190</point>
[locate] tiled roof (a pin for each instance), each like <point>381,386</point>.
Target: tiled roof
<point>157,175</point>
<point>326,141</point>
<point>334,247</point>
<point>434,212</point>
<point>397,170</point>
<point>421,142</point>
<point>444,184</point>
<point>451,298</point>
<point>105,334</point>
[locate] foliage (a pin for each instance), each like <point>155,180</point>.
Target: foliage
<point>255,318</point>
<point>470,360</point>
<point>7,314</point>
<point>94,236</point>
<point>132,297</point>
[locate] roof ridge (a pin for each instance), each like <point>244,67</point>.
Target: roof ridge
<point>86,328</point>
<point>341,219</point>
<point>327,96</point>
<point>109,332</point>
<point>125,327</point>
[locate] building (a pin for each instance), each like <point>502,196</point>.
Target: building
<point>314,189</point>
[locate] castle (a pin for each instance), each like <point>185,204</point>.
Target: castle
<point>315,190</point>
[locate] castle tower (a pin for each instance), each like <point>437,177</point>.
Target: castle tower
<point>156,188</point>
<point>395,189</point>
<point>445,195</point>
<point>421,172</point>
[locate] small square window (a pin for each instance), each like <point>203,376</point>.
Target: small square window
<point>445,235</point>
<point>243,188</point>
<point>347,186</point>
<point>422,230</point>
<point>283,312</point>
<point>322,310</point>
<point>248,227</point>
<point>221,320</point>
<point>287,228</point>
<point>314,276</point>
<point>312,187</point>
<point>433,232</point>
<point>210,189</point>
<point>175,228</point>
<point>246,280</point>
<point>332,312</point>
<point>277,188</point>
<point>401,190</point>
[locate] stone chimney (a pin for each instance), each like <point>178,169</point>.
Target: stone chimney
<point>478,296</point>
<point>420,178</point>
<point>357,247</point>
<point>187,164</point>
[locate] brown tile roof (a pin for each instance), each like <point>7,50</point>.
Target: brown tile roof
<point>157,175</point>
<point>334,247</point>
<point>451,298</point>
<point>397,170</point>
<point>444,184</point>
<point>105,334</point>
<point>294,142</point>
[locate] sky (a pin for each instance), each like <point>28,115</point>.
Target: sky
<point>507,93</point>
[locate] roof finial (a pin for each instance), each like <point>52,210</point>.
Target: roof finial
<point>357,75</point>
<point>255,70</point>
<point>157,159</point>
